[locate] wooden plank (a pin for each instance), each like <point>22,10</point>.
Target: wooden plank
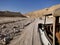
<point>54,19</point>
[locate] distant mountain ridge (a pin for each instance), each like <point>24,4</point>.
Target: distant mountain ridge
<point>41,12</point>
<point>10,14</point>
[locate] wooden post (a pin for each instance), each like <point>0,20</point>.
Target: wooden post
<point>54,24</point>
<point>45,21</point>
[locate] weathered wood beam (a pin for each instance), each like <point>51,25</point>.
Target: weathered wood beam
<point>54,24</point>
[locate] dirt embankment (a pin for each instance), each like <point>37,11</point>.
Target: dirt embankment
<point>41,12</point>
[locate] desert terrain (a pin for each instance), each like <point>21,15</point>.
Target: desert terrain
<point>22,29</point>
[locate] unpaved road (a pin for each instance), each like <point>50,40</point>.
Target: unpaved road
<point>29,35</point>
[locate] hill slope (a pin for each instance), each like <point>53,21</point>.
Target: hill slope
<point>10,14</point>
<point>41,12</point>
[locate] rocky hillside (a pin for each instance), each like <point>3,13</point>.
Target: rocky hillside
<point>10,14</point>
<point>41,12</point>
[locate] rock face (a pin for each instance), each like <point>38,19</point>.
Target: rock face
<point>45,11</point>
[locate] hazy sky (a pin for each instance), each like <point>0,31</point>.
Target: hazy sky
<point>25,6</point>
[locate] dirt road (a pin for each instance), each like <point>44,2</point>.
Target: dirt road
<point>29,36</point>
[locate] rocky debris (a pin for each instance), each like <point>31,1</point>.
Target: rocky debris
<point>9,30</point>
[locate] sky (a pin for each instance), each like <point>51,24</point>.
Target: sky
<point>25,6</point>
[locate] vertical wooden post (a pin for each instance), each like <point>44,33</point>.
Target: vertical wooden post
<point>45,20</point>
<point>54,24</point>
